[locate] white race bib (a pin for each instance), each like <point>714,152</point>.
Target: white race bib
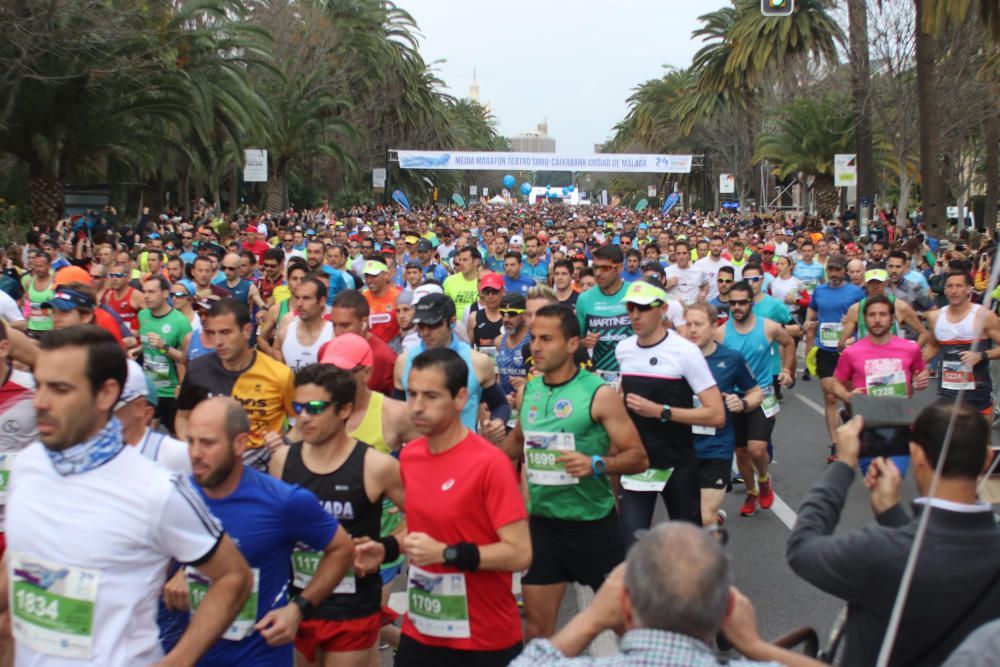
<point>829,333</point>
<point>956,376</point>
<point>437,603</point>
<point>698,429</point>
<point>541,450</point>
<point>770,403</point>
<point>242,626</point>
<point>52,606</point>
<point>652,480</point>
<point>886,384</point>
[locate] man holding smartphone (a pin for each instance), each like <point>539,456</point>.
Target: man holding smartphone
<point>880,364</point>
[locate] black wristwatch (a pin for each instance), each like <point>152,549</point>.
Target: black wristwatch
<point>450,555</point>
<point>665,414</point>
<point>304,605</point>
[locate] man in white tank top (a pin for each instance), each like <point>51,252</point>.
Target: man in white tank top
<point>954,330</point>
<point>301,336</point>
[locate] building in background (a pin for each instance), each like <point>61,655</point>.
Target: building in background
<point>534,142</point>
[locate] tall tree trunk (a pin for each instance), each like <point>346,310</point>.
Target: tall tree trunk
<point>861,101</point>
<point>827,196</point>
<point>277,187</point>
<point>932,188</point>
<point>234,183</point>
<point>991,133</point>
<point>45,195</point>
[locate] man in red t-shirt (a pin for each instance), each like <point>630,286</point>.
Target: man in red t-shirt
<point>468,529</point>
<point>255,245</point>
<point>349,314</point>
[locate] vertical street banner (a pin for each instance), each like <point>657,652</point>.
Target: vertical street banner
<point>727,184</point>
<point>845,170</point>
<point>255,165</point>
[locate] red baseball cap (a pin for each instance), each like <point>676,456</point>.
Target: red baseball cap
<point>494,280</point>
<point>348,352</point>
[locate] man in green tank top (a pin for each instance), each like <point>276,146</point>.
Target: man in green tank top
<point>569,422</point>
<point>39,286</point>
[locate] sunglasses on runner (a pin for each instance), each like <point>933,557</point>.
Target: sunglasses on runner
<point>754,279</point>
<point>511,312</point>
<point>311,408</point>
<point>724,281</point>
<point>489,291</point>
<point>116,275</point>
<point>643,307</point>
<point>739,302</point>
<point>180,295</point>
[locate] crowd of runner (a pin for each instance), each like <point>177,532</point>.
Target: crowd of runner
<point>225,437</point>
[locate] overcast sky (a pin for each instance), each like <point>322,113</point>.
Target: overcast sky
<point>573,63</point>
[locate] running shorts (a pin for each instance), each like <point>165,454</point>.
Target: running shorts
<point>353,634</point>
<point>714,473</point>
<point>566,551</point>
<point>826,363</point>
<point>751,425</point>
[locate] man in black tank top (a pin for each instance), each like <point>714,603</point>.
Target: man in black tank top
<point>349,478</point>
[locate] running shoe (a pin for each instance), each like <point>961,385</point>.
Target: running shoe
<point>805,376</point>
<point>765,494</point>
<point>720,517</point>
<point>749,505</point>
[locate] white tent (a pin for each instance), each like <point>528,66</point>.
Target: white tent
<point>497,199</point>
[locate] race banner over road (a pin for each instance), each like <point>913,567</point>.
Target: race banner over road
<point>620,162</point>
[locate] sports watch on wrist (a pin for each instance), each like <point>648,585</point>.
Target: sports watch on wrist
<point>665,413</point>
<point>304,605</point>
<point>450,555</point>
<point>597,464</point>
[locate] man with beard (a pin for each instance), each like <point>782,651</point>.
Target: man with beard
<point>827,308</point>
<point>573,433</point>
<point>512,354</point>
<point>880,363</point>
<point>752,335</point>
<point>712,265</point>
<point>267,518</point>
<point>112,567</point>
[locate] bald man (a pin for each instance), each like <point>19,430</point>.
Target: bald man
<point>240,288</point>
<point>266,518</point>
<point>856,272</point>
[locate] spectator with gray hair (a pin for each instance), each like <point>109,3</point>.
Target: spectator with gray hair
<point>670,598</point>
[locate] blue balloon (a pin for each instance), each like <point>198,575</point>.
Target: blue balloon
<point>571,188</point>
<point>525,189</point>
<point>508,181</point>
<point>553,195</point>
<point>565,191</point>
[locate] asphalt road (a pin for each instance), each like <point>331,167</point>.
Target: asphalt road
<point>757,544</point>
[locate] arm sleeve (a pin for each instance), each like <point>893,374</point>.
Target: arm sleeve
<point>497,403</point>
<point>826,561</point>
<point>307,521</point>
<point>186,529</point>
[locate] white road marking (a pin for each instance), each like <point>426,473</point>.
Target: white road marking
<point>604,644</point>
<point>812,404</point>
<point>785,513</point>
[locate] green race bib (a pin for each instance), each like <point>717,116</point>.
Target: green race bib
<point>887,384</point>
<point>304,564</point>
<point>652,480</point>
<point>437,603</point>
<point>6,463</point>
<point>829,333</point>
<point>52,606</point>
<point>541,450</point>
<point>242,626</point>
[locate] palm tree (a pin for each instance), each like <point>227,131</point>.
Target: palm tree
<point>805,139</point>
